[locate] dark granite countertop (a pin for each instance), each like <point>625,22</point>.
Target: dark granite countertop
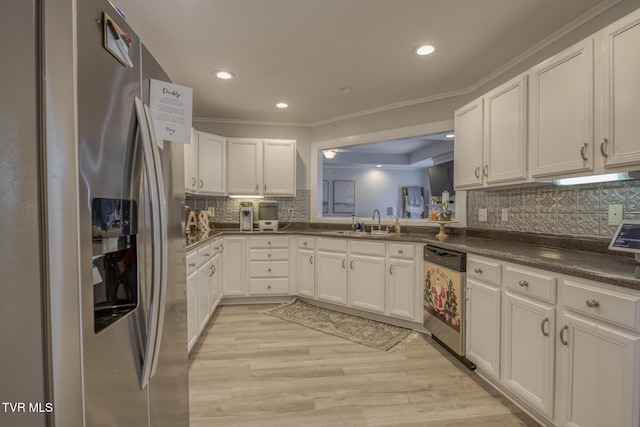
<point>603,267</point>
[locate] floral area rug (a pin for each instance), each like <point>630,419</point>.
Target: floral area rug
<point>353,328</point>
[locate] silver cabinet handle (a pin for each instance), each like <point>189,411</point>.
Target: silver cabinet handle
<point>201,183</point>
<point>311,259</point>
<point>593,303</point>
<point>214,269</point>
<point>192,264</point>
<point>478,270</point>
<point>523,283</point>
<point>257,187</point>
<point>545,321</point>
<point>391,269</point>
<point>207,254</point>
<point>211,270</point>
<point>485,170</point>
<point>193,181</point>
<point>583,151</point>
<point>562,331</point>
<point>603,147</point>
<point>351,264</point>
<point>344,263</point>
<point>477,172</point>
<point>221,248</point>
<point>265,187</point>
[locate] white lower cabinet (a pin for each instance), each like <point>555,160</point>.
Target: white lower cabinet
<point>268,265</point>
<point>203,291</point>
<point>403,291</point>
<point>569,347</point>
<point>306,267</point>
<point>528,351</point>
<point>367,276</point>
<point>331,269</point>
<point>234,278</point>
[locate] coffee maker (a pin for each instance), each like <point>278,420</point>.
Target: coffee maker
<point>268,215</point>
<point>246,216</point>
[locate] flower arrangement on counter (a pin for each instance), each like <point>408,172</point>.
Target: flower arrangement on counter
<point>444,213</point>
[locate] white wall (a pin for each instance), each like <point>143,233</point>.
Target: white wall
<point>375,188</point>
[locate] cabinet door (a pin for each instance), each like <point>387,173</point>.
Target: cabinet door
<point>244,166</point>
<point>279,167</point>
<point>192,309</point>
<point>483,326</point>
<point>620,110</point>
<point>505,132</point>
<point>402,286</point>
<point>214,283</point>
<point>203,290</point>
<point>211,164</point>
<point>561,114</point>
<point>602,366</point>
<point>234,282</point>
<point>468,143</point>
<point>306,274</point>
<point>190,164</point>
<point>332,277</point>
<point>367,280</point>
<point>528,351</point>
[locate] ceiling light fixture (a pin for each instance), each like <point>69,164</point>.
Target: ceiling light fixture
<point>378,166</point>
<point>282,105</point>
<point>450,135</point>
<point>425,49</point>
<point>224,75</point>
<point>329,154</point>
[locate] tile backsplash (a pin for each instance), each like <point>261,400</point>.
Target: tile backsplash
<point>578,211</point>
<point>227,209</point>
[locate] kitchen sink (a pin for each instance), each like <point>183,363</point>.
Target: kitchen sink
<point>360,233</point>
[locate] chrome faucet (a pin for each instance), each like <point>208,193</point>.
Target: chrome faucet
<point>373,217</point>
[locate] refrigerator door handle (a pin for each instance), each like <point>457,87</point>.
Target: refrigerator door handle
<point>152,189</point>
<point>162,243</point>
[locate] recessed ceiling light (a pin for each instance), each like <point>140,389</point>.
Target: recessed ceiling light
<point>282,105</point>
<point>450,135</point>
<point>224,75</point>
<point>425,49</point>
<point>378,166</point>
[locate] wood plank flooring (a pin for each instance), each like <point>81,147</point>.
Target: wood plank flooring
<point>251,369</point>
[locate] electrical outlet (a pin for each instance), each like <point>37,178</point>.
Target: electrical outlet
<point>615,214</point>
<point>482,215</point>
<point>505,214</point>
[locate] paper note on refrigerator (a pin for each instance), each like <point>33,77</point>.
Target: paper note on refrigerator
<point>171,111</point>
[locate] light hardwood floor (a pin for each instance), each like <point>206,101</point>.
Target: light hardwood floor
<point>252,369</point>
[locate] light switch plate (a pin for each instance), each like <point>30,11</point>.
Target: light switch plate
<point>615,214</point>
<point>482,215</point>
<point>505,214</point>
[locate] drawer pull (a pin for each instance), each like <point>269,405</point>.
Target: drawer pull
<point>269,270</point>
<point>545,321</point>
<point>192,264</point>
<point>562,331</point>
<point>523,283</point>
<point>269,243</point>
<point>269,287</point>
<point>400,251</point>
<point>593,303</point>
<point>207,255</point>
<point>304,243</point>
<point>478,270</point>
<point>268,255</point>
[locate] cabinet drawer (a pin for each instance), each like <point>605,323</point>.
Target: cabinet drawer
<point>192,262</point>
<point>269,255</point>
<point>306,243</point>
<point>401,251</point>
<point>205,254</point>
<point>269,269</point>
<point>485,270</point>
<point>614,307</point>
<point>333,245</point>
<point>269,286</point>
<point>533,283</point>
<point>367,248</point>
<point>269,242</point>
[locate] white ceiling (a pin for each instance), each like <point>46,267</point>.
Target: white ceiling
<point>303,51</point>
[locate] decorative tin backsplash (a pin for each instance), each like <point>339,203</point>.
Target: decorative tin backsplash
<point>227,209</point>
<point>578,211</point>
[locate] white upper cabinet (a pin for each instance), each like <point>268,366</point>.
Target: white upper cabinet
<point>211,164</point>
<point>505,133</point>
<point>467,151</point>
<point>261,167</point>
<point>491,139</point>
<point>561,119</point>
<point>191,163</point>
<point>618,110</point>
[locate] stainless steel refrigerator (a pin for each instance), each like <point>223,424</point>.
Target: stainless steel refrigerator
<point>95,289</point>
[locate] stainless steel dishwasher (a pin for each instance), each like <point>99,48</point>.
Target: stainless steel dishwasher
<point>443,301</point>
